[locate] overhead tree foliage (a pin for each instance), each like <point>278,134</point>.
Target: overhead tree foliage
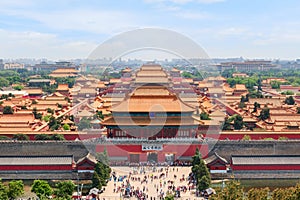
<point>204,116</point>
<point>232,191</point>
<point>102,170</point>
<point>8,110</point>
<point>84,123</point>
<point>264,113</point>
<point>66,127</point>
<point>96,181</point>
<point>20,136</point>
<point>256,106</point>
<point>227,124</point>
<point>57,137</point>
<point>258,194</point>
<point>238,122</point>
<point>15,189</point>
<point>3,191</point>
<point>41,188</point>
<point>64,190</point>
<point>289,100</point>
<point>42,137</point>
<point>200,171</point>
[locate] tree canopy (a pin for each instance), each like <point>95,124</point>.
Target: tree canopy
<point>64,190</point>
<point>200,171</point>
<point>15,189</point>
<point>41,188</point>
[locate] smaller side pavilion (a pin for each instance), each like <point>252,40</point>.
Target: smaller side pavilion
<point>216,164</point>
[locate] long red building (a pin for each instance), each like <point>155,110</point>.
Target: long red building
<point>244,163</point>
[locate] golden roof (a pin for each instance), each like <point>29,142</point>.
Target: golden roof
<point>62,87</point>
<point>240,87</point>
<point>146,80</point>
<point>153,73</point>
<point>153,103</point>
<point>65,70</point>
<point>146,121</point>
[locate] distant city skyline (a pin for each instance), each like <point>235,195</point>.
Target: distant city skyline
<point>71,29</point>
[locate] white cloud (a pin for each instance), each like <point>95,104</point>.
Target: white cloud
<point>41,45</point>
<point>184,1</point>
<point>193,15</point>
<point>89,20</point>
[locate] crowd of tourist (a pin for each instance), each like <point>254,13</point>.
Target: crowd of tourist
<point>152,182</point>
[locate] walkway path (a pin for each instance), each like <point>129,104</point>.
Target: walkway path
<point>162,178</point>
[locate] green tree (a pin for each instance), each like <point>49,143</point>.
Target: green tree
<point>279,194</point>
<point>96,181</point>
<point>41,188</point>
<point>283,138</point>
<point>18,87</point>
<point>204,183</point>
<point>238,122</point>
<point>42,137</point>
<point>3,191</point>
<point>57,137</point>
<point>187,75</point>
<point>64,189</point>
<point>99,115</point>
<point>246,138</point>
<point>227,124</point>
<point>66,127</point>
<point>36,114</point>
<point>289,100</point>
<point>275,84</point>
<point>296,192</point>
<point>47,118</point>
<point>227,73</point>
<point>20,136</point>
<point>54,123</point>
<point>256,106</point>
<point>3,137</point>
<point>232,191</point>
<point>15,189</point>
<point>200,171</point>
<point>288,92</point>
<point>204,116</point>
<point>8,110</point>
<point>84,123</point>
<point>264,113</point>
<point>51,111</point>
<point>3,82</point>
<point>258,194</point>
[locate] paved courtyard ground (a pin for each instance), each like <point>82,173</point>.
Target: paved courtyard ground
<point>159,181</point>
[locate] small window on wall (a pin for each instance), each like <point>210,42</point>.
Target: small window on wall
<point>120,133</point>
<point>183,133</point>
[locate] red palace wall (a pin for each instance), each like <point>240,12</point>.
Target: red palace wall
<point>217,167</point>
<point>264,167</point>
<point>178,150</point>
<point>37,167</point>
<point>224,136</point>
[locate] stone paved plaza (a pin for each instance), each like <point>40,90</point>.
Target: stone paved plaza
<point>157,184</point>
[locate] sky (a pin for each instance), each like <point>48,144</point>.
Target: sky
<point>70,29</point>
